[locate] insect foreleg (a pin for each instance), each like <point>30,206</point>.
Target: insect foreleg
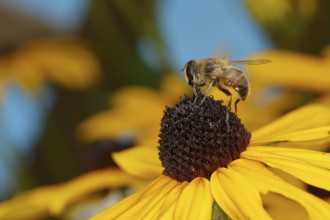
<point>207,91</point>
<point>195,90</point>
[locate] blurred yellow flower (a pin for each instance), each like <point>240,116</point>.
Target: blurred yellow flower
<point>142,123</point>
<point>272,11</point>
<point>55,200</point>
<point>62,61</point>
<point>293,70</point>
<point>189,189</point>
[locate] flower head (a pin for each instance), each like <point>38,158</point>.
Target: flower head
<point>208,160</point>
<point>186,127</point>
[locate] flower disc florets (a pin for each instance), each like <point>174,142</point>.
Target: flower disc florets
<point>195,140</point>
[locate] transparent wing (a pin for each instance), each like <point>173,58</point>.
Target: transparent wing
<point>250,62</point>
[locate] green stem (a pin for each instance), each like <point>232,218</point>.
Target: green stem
<point>218,213</point>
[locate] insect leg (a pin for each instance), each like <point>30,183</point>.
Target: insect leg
<point>207,91</point>
<point>229,103</point>
<point>228,94</point>
<point>195,93</point>
<point>237,101</point>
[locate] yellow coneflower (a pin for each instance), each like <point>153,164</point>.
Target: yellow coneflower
<point>212,167</point>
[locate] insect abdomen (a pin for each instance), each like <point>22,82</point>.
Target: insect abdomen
<point>243,91</point>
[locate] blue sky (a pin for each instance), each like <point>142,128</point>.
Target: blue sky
<point>195,29</point>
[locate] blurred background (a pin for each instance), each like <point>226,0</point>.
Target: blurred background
<point>60,62</point>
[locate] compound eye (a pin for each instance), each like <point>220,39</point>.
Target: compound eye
<point>189,71</point>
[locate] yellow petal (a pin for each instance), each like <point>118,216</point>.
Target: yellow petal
<point>53,200</point>
<point>236,195</point>
<point>293,70</point>
<point>224,200</point>
<point>161,182</point>
<point>119,208</point>
<point>305,118</point>
<point>317,145</point>
<point>309,166</point>
<point>148,206</point>
<point>168,207</point>
<point>143,204</point>
<point>140,161</point>
<point>266,181</point>
<point>195,201</point>
<point>316,158</point>
<point>318,133</point>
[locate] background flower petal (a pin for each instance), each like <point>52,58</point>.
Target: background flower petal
<point>62,61</point>
<point>53,200</point>
<point>293,70</point>
<point>280,207</point>
<point>121,121</point>
<point>174,86</point>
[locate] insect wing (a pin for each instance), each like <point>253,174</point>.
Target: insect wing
<point>250,62</point>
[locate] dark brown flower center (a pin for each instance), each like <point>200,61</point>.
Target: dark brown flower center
<point>195,140</point>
